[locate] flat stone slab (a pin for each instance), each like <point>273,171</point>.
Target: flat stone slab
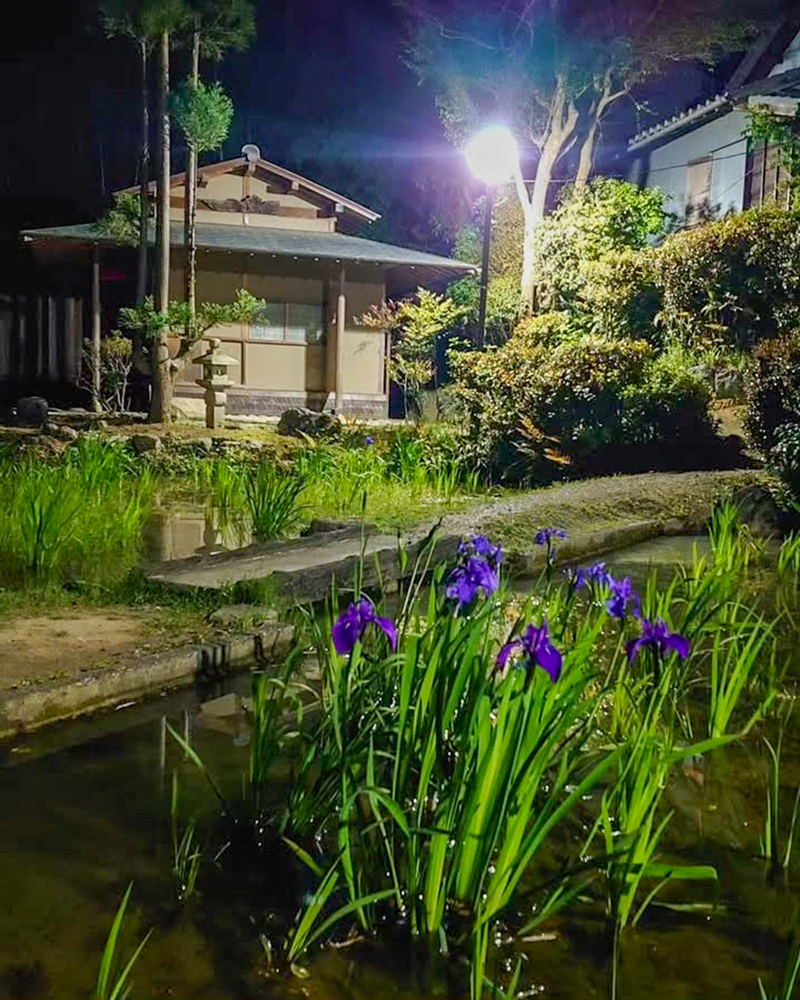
<point>303,565</point>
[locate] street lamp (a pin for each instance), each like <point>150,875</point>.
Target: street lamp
<point>493,157</point>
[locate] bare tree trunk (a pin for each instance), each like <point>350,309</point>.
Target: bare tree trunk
<point>161,402</point>
<point>144,180</point>
<point>139,360</point>
<point>190,206</point>
<point>562,124</point>
<point>527,288</point>
<point>598,108</point>
<point>586,158</point>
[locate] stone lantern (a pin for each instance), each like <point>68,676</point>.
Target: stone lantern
<point>215,381</point>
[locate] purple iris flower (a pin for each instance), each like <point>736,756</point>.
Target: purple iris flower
<point>479,545</point>
<point>595,574</point>
<point>537,650</point>
<point>369,439</point>
<point>350,626</point>
<point>545,536</point>
<point>622,594</point>
<point>656,635</point>
<point>466,580</point>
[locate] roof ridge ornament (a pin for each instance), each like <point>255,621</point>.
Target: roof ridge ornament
<point>251,152</point>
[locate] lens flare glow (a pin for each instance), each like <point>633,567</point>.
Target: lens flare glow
<point>492,155</point>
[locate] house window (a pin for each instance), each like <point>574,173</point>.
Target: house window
<point>698,190</point>
<point>767,179</point>
<point>292,322</point>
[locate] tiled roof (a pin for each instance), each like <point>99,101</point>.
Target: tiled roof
<point>290,243</point>
<point>710,108</point>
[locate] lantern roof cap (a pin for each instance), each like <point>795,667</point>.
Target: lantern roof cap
<point>215,356</point>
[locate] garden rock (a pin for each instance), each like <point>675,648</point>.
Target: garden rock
<point>142,443</point>
<point>233,615</point>
<point>32,411</point>
<point>62,432</point>
<point>298,421</point>
<point>758,510</point>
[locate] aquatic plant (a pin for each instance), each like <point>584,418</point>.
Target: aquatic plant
<point>507,757</point>
<point>791,973</point>
<point>112,981</point>
<point>186,853</point>
<point>81,515</point>
<point>775,848</point>
<point>273,501</point>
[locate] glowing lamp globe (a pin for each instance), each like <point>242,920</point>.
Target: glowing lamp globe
<point>492,155</point>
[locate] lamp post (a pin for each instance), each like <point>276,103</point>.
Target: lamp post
<point>493,157</point>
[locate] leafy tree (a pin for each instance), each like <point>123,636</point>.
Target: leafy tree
<point>505,266</point>
<point>203,114</point>
<point>553,69</point>
<point>415,325</point>
<point>176,321</point>
<point>212,27</point>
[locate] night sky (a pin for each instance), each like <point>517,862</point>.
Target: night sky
<point>322,90</point>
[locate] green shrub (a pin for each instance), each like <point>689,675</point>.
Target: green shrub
<point>594,403</point>
<point>547,328</point>
<point>591,224</point>
<point>772,389</point>
<point>785,459</point>
<point>735,281</point>
<point>669,409</point>
<point>620,294</point>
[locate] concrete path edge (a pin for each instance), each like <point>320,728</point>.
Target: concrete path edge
<point>29,708</point>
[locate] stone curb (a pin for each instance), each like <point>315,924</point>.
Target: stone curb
<point>591,544</point>
<point>29,708</point>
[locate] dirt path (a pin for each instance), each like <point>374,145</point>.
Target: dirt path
<point>34,649</point>
<point>590,504</point>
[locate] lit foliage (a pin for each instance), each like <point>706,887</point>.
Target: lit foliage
<point>773,389</point>
<point>505,267</point>
<point>121,221</point>
<point>176,322</point>
<point>415,325</point>
<point>221,24</point>
<point>115,366</point>
<point>736,280</point>
<point>592,225</point>
<point>595,403</point>
<point>204,113</point>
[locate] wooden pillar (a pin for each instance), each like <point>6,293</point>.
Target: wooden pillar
<point>96,328</point>
<point>341,320</point>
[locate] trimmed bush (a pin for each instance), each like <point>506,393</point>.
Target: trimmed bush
<point>593,403</point>
<point>772,389</point>
<point>593,223</point>
<point>735,281</point>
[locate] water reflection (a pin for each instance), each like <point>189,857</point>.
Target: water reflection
<point>186,530</point>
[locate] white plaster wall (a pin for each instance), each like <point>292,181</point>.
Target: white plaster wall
<point>722,139</point>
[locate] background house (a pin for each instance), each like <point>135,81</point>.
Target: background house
<point>287,240</point>
<point>701,157</point>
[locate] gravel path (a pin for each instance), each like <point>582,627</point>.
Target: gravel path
<point>607,501</point>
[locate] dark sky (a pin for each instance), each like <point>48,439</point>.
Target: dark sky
<point>322,90</point>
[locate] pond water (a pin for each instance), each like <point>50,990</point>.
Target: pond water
<point>182,529</point>
<point>85,811</point>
